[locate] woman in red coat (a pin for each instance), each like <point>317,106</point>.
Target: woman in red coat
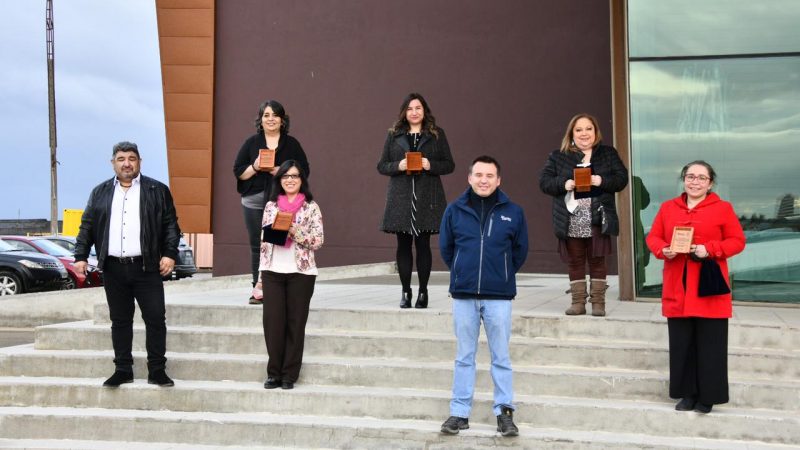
<point>698,326</point>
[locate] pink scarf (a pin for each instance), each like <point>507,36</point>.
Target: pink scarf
<point>284,205</point>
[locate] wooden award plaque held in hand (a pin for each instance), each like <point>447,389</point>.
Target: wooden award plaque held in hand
<point>266,159</point>
<point>682,239</point>
<point>583,179</point>
<point>413,163</point>
<point>282,221</point>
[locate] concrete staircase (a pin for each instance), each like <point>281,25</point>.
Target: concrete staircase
<point>380,378</point>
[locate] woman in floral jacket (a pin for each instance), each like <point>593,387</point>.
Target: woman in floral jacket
<point>288,272</point>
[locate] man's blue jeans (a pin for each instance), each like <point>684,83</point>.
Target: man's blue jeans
<point>467,316</point>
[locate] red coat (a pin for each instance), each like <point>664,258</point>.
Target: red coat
<point>715,226</point>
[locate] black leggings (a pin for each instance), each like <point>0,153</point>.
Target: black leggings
<point>252,220</point>
<point>405,259</point>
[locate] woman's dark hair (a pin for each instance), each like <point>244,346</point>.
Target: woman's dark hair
<point>277,108</point>
<point>711,174</point>
<point>428,122</point>
<point>276,188</point>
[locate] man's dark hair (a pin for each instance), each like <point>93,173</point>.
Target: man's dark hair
<point>277,189</point>
<point>485,159</point>
<point>125,146</point>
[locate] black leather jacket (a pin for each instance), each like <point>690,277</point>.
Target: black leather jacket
<point>160,233</point>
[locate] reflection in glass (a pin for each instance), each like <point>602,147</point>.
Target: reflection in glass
<point>712,27</point>
<point>741,116</point>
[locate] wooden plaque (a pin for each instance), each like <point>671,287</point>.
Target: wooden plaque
<point>413,162</point>
<point>266,159</point>
<point>682,239</point>
<point>583,179</point>
<point>283,221</point>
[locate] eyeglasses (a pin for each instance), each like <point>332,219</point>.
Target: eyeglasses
<point>290,176</point>
<point>701,178</point>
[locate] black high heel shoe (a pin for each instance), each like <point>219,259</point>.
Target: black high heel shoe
<point>405,300</point>
<point>422,300</point>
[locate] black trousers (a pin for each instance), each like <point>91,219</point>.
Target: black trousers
<point>405,259</point>
<point>123,283</point>
<point>698,359</point>
<point>284,317</point>
<point>252,220</point>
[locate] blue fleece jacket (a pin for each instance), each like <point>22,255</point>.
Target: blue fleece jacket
<point>483,260</point>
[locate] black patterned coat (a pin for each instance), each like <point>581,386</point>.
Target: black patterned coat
<point>431,200</point>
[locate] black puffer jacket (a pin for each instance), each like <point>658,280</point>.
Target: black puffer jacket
<point>431,200</point>
<point>160,234</point>
<point>558,169</point>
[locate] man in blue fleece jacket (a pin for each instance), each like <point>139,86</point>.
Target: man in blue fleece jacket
<point>484,241</point>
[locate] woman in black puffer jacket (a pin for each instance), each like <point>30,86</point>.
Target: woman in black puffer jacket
<point>584,221</point>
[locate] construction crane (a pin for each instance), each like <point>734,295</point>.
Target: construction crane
<point>51,100</point>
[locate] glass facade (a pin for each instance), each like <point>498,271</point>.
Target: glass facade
<point>720,81</point>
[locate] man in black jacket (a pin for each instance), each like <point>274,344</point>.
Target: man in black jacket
<point>131,221</point>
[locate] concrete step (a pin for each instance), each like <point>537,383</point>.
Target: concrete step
<point>264,429</point>
<point>75,444</point>
<point>345,403</point>
<point>761,364</point>
<point>528,380</point>
<point>751,335</point>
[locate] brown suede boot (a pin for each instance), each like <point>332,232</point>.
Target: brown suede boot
<point>598,297</point>
<point>578,290</point>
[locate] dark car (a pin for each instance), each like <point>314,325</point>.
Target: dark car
<point>184,266</point>
<point>22,272</point>
<point>41,245</point>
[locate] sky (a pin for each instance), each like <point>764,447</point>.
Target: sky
<point>108,89</point>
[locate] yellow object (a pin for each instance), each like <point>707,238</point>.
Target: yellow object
<point>72,222</point>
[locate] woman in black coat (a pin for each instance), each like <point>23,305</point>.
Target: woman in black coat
<point>415,202</point>
<point>584,221</point>
<point>253,184</point>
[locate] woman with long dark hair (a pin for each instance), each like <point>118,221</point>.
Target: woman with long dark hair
<point>415,202</point>
<point>253,184</point>
<point>288,271</point>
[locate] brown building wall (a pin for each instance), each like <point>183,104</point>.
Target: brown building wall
<point>502,78</point>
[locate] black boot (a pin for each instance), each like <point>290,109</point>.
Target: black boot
<point>405,300</point>
<point>422,300</point>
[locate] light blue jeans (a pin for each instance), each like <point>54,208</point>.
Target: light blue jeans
<point>467,316</point>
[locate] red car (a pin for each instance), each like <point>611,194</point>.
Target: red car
<point>42,245</point>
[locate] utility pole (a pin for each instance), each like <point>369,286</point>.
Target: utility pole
<point>51,100</point>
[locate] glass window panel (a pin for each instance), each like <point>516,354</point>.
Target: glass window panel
<point>712,27</point>
<point>741,116</point>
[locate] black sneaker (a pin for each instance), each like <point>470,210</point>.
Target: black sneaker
<point>505,422</point>
<point>160,378</point>
<point>702,408</point>
<point>119,377</point>
<point>454,424</point>
<point>686,404</point>
<point>272,383</point>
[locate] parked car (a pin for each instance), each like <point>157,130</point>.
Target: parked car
<point>184,266</point>
<point>42,245</point>
<point>69,242</point>
<point>22,271</point>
